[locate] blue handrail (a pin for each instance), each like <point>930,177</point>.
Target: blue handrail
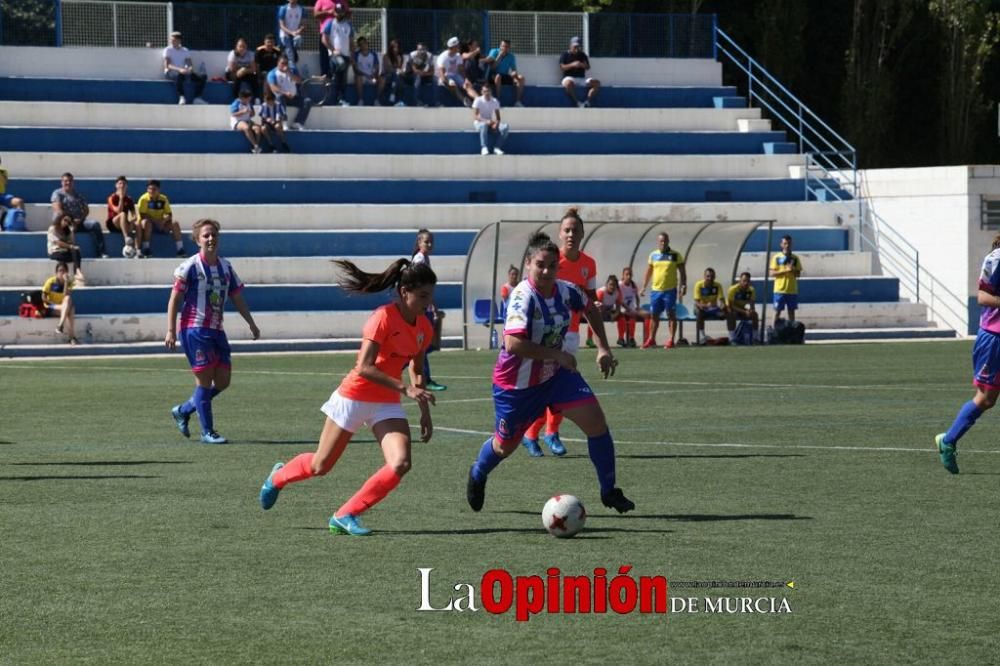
<point>828,153</point>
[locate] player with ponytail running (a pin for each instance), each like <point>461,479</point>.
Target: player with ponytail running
<point>394,336</point>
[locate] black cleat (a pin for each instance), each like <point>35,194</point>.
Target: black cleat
<point>615,499</point>
<point>475,492</point>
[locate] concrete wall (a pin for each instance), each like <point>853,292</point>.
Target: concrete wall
<point>111,63</point>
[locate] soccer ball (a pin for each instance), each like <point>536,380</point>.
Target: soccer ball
<point>563,516</point>
<point>128,250</point>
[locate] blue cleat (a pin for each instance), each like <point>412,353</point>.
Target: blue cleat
<point>534,450</point>
<point>348,524</point>
<point>949,457</point>
<point>555,444</point>
<point>268,493</point>
<point>181,420</point>
<point>212,437</point>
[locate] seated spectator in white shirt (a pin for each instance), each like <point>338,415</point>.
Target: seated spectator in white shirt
<point>449,73</point>
<point>241,119</point>
<point>177,66</point>
<point>241,69</point>
<point>366,71</point>
<point>338,38</point>
<point>282,82</point>
<point>486,119</point>
<point>420,71</point>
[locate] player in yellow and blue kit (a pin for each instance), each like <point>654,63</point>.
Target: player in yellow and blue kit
<point>785,269</point>
<point>709,302</point>
<point>985,361</point>
<point>665,265</point>
<point>741,300</point>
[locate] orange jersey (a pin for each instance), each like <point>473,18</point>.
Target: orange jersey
<point>582,273</point>
<point>398,344</point>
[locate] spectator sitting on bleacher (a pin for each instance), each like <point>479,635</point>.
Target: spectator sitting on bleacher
<point>785,269</point>
<point>664,267</point>
<point>338,38</point>
<point>502,65</point>
<point>366,71</point>
<point>272,117</point>
<point>266,58</point>
<point>67,201</point>
<point>472,67</point>
<point>290,28</point>
<point>393,74</point>
<point>241,119</point>
<point>420,72</point>
<point>13,218</point>
<point>241,69</point>
<point>122,216</point>
<point>282,82</point>
<point>741,300</point>
<point>486,120</point>
<point>61,246</point>
<point>156,215</point>
<point>178,67</point>
<point>574,64</point>
<point>449,73</point>
<point>56,296</point>
<point>709,303</point>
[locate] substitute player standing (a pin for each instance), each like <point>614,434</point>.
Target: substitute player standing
<point>394,336</point>
<point>985,361</point>
<point>579,268</point>
<point>665,264</point>
<point>201,286</point>
<point>535,371</point>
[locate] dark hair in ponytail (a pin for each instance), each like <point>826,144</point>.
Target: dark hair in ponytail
<point>572,213</point>
<point>400,273</point>
<point>540,242</point>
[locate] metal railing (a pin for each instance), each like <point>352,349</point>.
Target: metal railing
<point>831,165</point>
<point>215,27</point>
<point>901,259</point>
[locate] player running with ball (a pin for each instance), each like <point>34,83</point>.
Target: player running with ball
<point>394,335</point>
<point>534,372</point>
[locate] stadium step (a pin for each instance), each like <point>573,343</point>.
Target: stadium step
<point>878,334</point>
<point>461,140</point>
<point>192,117</point>
<point>395,167</point>
<point>816,263</point>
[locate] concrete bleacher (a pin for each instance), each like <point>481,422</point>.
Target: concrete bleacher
<point>683,147</point>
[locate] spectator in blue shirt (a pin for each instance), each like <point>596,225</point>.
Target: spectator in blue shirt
<point>241,119</point>
<point>272,117</point>
<point>502,65</point>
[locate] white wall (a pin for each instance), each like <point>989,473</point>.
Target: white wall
<point>111,63</point>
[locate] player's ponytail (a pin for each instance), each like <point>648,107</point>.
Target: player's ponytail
<point>400,273</point>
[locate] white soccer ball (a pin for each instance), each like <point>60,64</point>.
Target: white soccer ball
<point>128,250</point>
<point>563,516</point>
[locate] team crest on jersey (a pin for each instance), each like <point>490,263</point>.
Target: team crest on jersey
<point>199,357</point>
<point>503,429</point>
<point>585,272</point>
<point>420,340</point>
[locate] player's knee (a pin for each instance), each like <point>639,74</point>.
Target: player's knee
<point>987,400</point>
<point>221,383</point>
<point>320,466</point>
<point>401,467</point>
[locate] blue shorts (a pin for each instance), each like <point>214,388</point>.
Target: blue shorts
<point>661,301</point>
<point>516,409</point>
<point>986,360</point>
<point>790,301</point>
<point>206,348</point>
<point>6,200</point>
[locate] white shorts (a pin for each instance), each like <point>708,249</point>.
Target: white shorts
<point>577,80</point>
<point>352,415</point>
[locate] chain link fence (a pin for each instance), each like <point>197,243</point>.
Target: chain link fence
<point>213,27</point>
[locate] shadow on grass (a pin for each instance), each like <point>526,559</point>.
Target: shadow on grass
<point>77,478</point>
<point>589,532</point>
<point>686,517</point>
<point>103,463</point>
<point>304,442</point>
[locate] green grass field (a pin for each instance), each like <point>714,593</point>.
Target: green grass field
<point>122,542</point>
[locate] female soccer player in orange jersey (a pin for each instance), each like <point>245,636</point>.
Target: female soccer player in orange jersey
<point>579,268</point>
<point>394,335</point>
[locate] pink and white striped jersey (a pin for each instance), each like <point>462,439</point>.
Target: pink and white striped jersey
<point>541,320</point>
<point>205,290</point>
<point>630,296</point>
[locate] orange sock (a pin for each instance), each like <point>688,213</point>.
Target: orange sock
<point>298,468</point>
<point>535,428</point>
<point>378,485</point>
<point>621,328</point>
<point>552,423</point>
